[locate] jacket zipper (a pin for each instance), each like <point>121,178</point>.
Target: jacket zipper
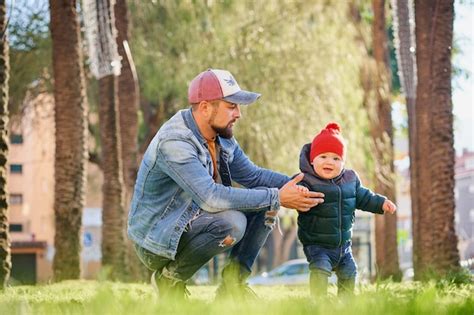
<point>339,212</point>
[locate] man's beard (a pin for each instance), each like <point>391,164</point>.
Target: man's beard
<point>225,132</point>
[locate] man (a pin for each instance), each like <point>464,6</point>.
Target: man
<point>184,209</point>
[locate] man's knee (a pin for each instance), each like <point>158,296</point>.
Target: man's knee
<point>232,224</point>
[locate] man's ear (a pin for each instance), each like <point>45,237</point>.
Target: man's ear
<point>203,104</point>
<point>203,107</point>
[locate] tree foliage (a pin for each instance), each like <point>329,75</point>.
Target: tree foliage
<point>300,55</point>
<point>30,50</point>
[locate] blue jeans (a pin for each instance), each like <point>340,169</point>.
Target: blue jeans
<point>207,235</point>
<point>325,260</point>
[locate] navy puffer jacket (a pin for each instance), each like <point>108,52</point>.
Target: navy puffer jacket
<point>330,224</point>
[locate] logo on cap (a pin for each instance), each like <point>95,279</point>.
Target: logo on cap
<point>230,81</point>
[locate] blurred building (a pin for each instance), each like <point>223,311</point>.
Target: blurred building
<point>91,254</point>
<point>31,191</point>
<point>31,197</point>
<point>464,194</point>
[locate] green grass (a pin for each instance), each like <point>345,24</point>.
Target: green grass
<point>92,297</point>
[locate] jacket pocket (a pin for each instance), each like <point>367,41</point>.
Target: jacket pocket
<point>169,206</point>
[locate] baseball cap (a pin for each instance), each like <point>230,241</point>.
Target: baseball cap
<point>215,84</point>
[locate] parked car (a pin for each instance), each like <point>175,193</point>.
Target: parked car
<point>292,272</point>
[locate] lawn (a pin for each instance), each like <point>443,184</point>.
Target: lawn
<point>93,297</point>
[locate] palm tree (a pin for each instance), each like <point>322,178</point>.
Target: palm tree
<point>436,248</point>
<point>5,258</point>
<point>382,134</point>
<point>113,232</point>
<point>375,81</point>
<point>128,99</point>
<point>71,128</point>
<point>406,59</point>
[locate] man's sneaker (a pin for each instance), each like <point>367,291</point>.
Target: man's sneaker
<point>233,285</point>
<point>169,289</point>
<point>235,291</point>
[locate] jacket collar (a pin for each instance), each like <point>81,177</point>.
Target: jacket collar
<point>192,125</point>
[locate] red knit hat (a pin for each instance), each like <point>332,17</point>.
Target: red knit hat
<point>328,140</point>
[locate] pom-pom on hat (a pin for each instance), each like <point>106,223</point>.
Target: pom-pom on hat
<point>328,140</point>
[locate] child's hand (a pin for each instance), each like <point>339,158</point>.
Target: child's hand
<point>389,207</point>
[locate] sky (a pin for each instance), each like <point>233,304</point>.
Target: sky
<point>463,88</point>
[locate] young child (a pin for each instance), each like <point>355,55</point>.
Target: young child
<point>326,230</point>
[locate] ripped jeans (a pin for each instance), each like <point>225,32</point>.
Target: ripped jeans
<point>209,234</point>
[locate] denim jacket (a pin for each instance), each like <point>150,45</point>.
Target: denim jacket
<point>175,180</point>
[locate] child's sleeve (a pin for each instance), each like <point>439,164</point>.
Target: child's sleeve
<point>367,200</point>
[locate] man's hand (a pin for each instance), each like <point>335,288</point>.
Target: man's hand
<point>296,197</point>
<point>302,188</point>
<point>389,206</point>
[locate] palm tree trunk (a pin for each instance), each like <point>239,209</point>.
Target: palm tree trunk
<point>423,16</point>
<point>113,233</point>
<point>283,242</point>
<point>5,257</point>
<point>442,151</point>
<point>382,133</point>
<point>437,242</point>
<point>291,234</point>
<point>128,107</point>
<point>128,98</point>
<point>71,128</point>
<point>405,44</point>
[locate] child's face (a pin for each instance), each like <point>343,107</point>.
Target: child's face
<point>328,165</point>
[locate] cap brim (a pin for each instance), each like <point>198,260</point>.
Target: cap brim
<point>242,97</point>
